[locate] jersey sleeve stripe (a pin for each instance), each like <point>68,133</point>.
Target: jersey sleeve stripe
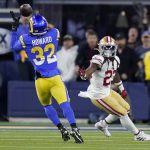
<point>22,42</point>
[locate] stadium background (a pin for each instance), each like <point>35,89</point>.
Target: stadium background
<point>74,17</point>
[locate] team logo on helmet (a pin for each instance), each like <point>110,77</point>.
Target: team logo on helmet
<point>38,25</point>
<point>107,47</point>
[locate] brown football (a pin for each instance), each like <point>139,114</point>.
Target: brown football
<point>25,10</point>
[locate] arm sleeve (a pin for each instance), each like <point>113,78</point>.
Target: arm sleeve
<point>19,44</point>
<point>14,38</point>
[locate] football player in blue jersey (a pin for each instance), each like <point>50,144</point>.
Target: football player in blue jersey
<point>41,46</point>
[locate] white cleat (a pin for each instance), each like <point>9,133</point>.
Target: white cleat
<point>99,125</point>
<point>142,137</point>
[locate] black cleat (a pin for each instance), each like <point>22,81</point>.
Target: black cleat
<point>76,135</point>
<point>65,134</point>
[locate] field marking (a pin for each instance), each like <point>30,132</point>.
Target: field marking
<point>107,140</point>
<point>70,147</point>
<point>47,136</point>
<point>54,128</point>
<point>57,136</point>
<point>49,140</point>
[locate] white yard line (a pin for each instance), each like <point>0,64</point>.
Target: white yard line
<point>70,147</point>
<point>48,136</point>
<point>54,128</point>
<point>47,140</point>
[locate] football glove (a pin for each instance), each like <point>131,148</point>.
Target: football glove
<point>124,94</point>
<point>15,22</point>
<point>82,74</point>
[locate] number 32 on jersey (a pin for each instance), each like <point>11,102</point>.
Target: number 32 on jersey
<point>40,58</point>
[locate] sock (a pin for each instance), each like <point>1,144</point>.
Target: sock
<point>52,114</point>
<point>68,112</point>
<point>128,124</point>
<point>59,125</point>
<point>73,125</point>
<point>110,118</point>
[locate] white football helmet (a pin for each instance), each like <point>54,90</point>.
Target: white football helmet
<point>107,47</point>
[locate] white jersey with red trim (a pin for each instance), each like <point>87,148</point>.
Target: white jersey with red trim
<point>101,79</point>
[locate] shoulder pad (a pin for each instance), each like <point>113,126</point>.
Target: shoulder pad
<point>97,59</point>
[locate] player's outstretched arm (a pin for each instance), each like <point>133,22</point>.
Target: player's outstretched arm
<point>15,22</point>
<point>19,44</point>
<point>87,74</point>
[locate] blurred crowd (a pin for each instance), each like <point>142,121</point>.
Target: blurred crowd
<point>132,51</point>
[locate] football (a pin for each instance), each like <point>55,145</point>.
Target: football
<point>25,10</point>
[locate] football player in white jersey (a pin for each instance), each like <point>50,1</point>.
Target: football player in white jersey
<point>102,72</point>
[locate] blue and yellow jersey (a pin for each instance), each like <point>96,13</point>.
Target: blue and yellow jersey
<point>147,65</point>
<point>15,36</point>
<point>41,51</point>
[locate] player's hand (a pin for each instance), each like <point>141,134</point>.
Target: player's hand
<point>24,56</point>
<point>15,22</point>
<point>82,74</point>
<point>124,94</point>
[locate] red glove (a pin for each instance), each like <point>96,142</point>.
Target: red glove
<point>82,74</point>
<point>124,94</point>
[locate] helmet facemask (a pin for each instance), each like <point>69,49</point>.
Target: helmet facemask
<point>107,49</point>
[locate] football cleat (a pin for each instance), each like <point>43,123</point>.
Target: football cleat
<point>76,135</point>
<point>99,125</point>
<point>65,134</point>
<point>141,136</point>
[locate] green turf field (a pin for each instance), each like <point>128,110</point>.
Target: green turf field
<point>12,139</point>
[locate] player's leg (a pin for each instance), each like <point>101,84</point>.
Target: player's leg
<point>120,100</point>
<point>110,118</point>
<point>124,119</point>
<point>103,124</point>
<point>59,92</point>
<point>43,93</point>
<point>115,108</point>
<point>129,125</point>
<point>126,122</point>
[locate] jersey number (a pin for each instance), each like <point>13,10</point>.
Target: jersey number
<point>40,58</point>
<point>107,79</point>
